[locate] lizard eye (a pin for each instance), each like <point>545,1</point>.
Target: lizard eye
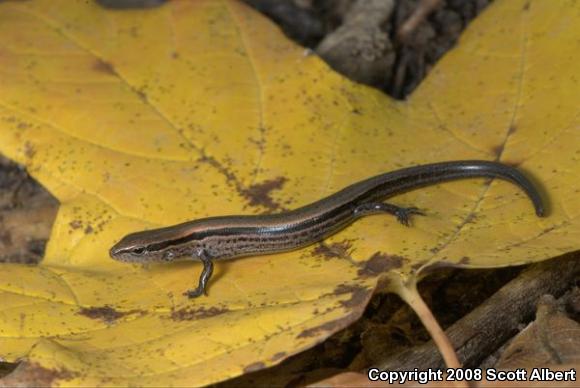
<point>138,251</point>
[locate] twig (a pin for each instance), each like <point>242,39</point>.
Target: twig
<point>494,321</point>
<point>424,9</point>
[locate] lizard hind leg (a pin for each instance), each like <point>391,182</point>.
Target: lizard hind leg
<point>403,214</point>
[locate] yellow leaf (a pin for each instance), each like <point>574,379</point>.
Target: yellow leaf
<point>145,118</point>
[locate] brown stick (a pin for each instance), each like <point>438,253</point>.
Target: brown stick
<point>494,321</point>
<point>423,10</point>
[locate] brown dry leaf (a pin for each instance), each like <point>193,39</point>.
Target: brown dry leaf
<point>552,339</point>
<point>27,213</point>
<point>142,118</point>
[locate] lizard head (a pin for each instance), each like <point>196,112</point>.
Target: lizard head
<point>141,247</point>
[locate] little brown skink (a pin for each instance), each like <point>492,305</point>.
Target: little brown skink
<point>227,237</point>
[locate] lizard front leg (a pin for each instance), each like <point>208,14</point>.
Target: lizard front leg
<point>204,277</point>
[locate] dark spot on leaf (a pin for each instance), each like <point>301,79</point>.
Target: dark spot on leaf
<point>548,230</point>
<point>344,289</point>
<point>464,260</point>
<point>230,176</point>
<point>89,229</point>
<point>76,224</point>
<point>383,284</point>
<point>104,67</point>
<point>497,150</point>
<point>105,313</point>
<point>471,218</point>
<point>189,314</point>
<point>358,297</point>
<point>278,356</point>
<point>142,95</point>
<point>379,263</point>
<point>334,250</point>
<point>259,194</point>
<point>33,374</point>
<point>22,125</point>
<point>324,250</point>
<point>261,142</point>
<point>254,367</point>
<point>29,150</point>
<point>527,6</point>
<point>328,326</point>
<point>512,129</point>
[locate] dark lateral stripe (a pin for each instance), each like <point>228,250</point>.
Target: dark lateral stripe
<point>258,234</point>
